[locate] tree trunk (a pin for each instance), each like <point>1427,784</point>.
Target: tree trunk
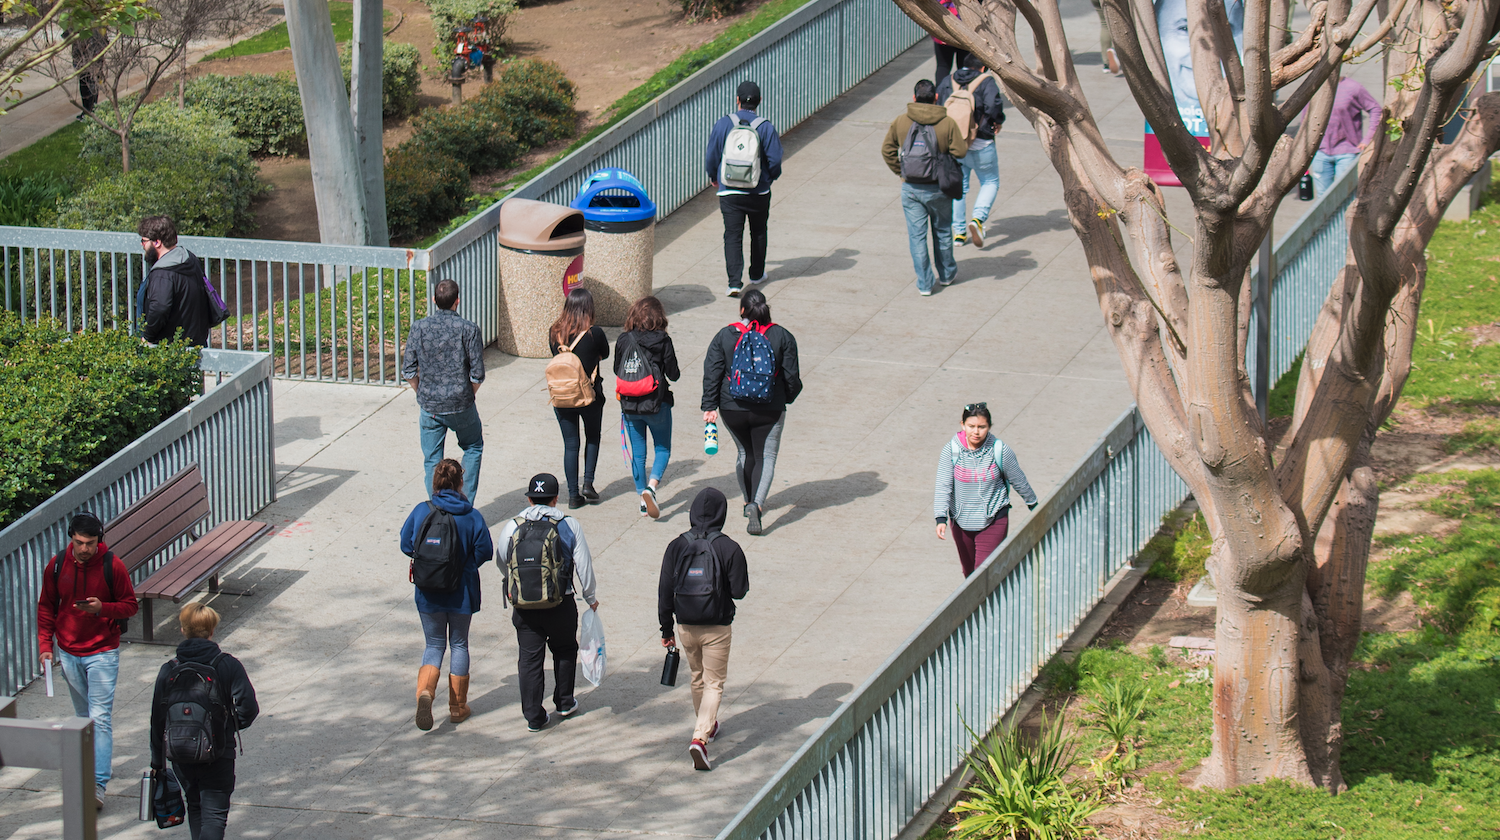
<point>337,185</point>
<point>365,109</point>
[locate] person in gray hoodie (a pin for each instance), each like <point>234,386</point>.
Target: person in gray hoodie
<point>975,473</point>
<point>173,297</point>
<point>925,205</point>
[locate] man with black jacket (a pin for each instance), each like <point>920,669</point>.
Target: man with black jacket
<point>173,296</point>
<point>989,114</point>
<point>205,787</point>
<point>706,645</point>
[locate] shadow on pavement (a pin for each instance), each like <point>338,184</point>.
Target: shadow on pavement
<point>825,493</point>
<point>757,724</point>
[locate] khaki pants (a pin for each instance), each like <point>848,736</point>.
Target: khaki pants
<point>707,650</point>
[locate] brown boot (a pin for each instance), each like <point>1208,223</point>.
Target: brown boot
<point>458,699</point>
<point>427,680</point>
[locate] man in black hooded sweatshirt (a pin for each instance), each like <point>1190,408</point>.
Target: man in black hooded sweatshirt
<point>703,622</point>
<point>173,296</point>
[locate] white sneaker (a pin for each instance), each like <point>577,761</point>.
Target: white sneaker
<point>734,291</point>
<point>925,292</point>
<point>756,281</point>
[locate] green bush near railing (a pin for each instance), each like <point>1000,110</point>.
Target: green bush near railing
<point>68,401</point>
<point>30,199</point>
<point>264,110</point>
<point>400,77</point>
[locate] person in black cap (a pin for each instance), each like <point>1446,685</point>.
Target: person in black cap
<point>539,552</point>
<point>743,158</point>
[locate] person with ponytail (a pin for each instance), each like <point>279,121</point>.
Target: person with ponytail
<point>975,473</point>
<point>575,328</point>
<point>446,615</point>
<point>646,329</point>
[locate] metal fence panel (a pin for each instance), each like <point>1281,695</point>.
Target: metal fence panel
<point>227,432</point>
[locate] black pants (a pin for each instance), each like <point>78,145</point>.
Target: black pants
<point>737,209</point>
<point>949,58</point>
<point>757,434</point>
<point>206,789</point>
<point>538,631</point>
<point>88,91</point>
<point>592,416</point>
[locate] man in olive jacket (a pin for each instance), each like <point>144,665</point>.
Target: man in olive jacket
<point>925,205</point>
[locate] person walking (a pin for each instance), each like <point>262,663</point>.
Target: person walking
<point>750,393</point>
<point>646,331</point>
<point>909,142</point>
<point>742,159</point>
<point>444,362</point>
<point>974,83</point>
<point>948,56</point>
<point>446,614</point>
<point>540,552</point>
<point>703,573</point>
<point>1107,58</point>
<point>86,595</point>
<point>975,473</point>
<point>173,297</point>
<point>574,330</point>
<point>1351,126</point>
<point>206,787</point>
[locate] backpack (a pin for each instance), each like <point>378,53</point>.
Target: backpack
<point>218,313</point>
<point>536,570</point>
<point>438,561</point>
<point>199,716</point>
<point>109,582</point>
<point>568,384</point>
<point>752,370</point>
<point>739,165</point>
<point>638,382</point>
<point>698,588</point>
<point>961,107</point>
<point>919,154</point>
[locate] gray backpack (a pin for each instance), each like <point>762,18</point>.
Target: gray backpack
<point>919,161</point>
<point>739,166</point>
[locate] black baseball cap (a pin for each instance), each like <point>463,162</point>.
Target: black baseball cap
<point>748,92</point>
<point>542,486</point>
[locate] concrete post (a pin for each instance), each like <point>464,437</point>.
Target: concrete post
<point>337,185</point>
<point>365,97</point>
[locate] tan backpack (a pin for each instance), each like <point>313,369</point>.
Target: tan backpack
<point>568,384</point>
<point>960,107</point>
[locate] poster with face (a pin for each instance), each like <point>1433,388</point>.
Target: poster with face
<point>1172,25</point>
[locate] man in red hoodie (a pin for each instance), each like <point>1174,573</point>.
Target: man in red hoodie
<point>86,591</point>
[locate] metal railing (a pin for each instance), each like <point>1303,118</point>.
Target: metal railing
<point>888,748</point>
<point>227,432</point>
<point>66,745</point>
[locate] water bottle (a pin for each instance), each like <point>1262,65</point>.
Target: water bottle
<point>148,804</point>
<point>1305,187</point>
<point>669,667</point>
<point>711,438</point>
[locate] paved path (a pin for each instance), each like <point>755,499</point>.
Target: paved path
<point>848,568</point>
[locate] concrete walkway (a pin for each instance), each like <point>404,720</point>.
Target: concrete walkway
<point>848,568</point>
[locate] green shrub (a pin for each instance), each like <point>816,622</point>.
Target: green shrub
<point>265,110</point>
<point>533,100</point>
<point>1180,553</point>
<point>186,163</point>
<point>423,190</point>
<point>467,134</point>
<point>1020,787</point>
<point>450,15</point>
<point>68,401</point>
<point>400,77</point>
<point>30,200</point>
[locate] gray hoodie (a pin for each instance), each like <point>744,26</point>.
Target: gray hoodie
<point>569,532</point>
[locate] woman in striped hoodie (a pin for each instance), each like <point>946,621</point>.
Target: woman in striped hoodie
<point>974,477</point>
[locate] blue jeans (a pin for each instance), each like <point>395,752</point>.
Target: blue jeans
<point>660,425</point>
<point>470,432</point>
<point>1327,169</point>
<point>926,208</point>
<point>91,684</point>
<point>986,165</point>
<point>443,631</point>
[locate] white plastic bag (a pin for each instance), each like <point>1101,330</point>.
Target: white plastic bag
<point>591,646</point>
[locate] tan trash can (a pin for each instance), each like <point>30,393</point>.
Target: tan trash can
<point>541,257</point>
<point>621,221</point>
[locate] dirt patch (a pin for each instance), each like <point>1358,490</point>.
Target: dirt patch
<point>1482,334</point>
<point>288,212</point>
<point>1155,612</point>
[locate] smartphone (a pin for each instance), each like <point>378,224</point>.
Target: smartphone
<point>80,604</point>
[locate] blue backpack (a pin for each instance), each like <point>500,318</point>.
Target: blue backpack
<point>753,368</point>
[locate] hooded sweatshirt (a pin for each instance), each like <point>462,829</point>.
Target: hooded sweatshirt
<point>949,137</point>
<point>989,105</point>
<point>973,485</point>
<point>175,298</point>
<point>706,516</point>
<point>78,632</point>
<point>569,533</point>
<point>473,536</point>
<point>232,677</point>
<point>657,346</point>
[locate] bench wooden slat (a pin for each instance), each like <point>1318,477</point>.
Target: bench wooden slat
<point>159,518</point>
<point>202,560</point>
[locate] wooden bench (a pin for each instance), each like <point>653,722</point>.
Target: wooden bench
<point>176,509</point>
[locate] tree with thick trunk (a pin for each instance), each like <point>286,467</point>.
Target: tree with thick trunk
<point>1291,524</point>
<point>332,145</point>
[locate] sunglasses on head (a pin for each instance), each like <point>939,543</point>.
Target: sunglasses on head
<point>974,406</point>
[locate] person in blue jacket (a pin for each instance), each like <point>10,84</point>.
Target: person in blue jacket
<point>741,203</point>
<point>446,615</point>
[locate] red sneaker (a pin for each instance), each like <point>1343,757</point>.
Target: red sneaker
<point>714,733</point>
<point>699,751</point>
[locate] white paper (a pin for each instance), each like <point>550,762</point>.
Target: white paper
<point>47,670</point>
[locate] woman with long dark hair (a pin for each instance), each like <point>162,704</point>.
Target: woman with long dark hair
<point>974,477</point>
<point>753,420</point>
<point>646,330</point>
<point>574,329</point>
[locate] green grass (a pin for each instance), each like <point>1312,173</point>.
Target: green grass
<point>1179,553</point>
<point>1282,401</point>
<point>276,37</point>
<point>57,153</point>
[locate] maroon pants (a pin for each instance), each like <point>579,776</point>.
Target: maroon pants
<point>974,547</point>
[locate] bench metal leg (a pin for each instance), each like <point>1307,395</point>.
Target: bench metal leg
<point>148,621</point>
<point>213,588</point>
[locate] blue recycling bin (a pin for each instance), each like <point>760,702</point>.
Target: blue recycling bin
<point>621,220</point>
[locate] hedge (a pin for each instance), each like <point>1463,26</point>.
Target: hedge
<point>186,163</point>
<point>264,110</point>
<point>400,77</point>
<point>422,188</point>
<point>68,401</point>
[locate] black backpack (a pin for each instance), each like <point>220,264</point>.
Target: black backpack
<point>698,591</point>
<point>109,583</point>
<point>638,385</point>
<point>201,724</point>
<point>438,561</point>
<point>539,567</point>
